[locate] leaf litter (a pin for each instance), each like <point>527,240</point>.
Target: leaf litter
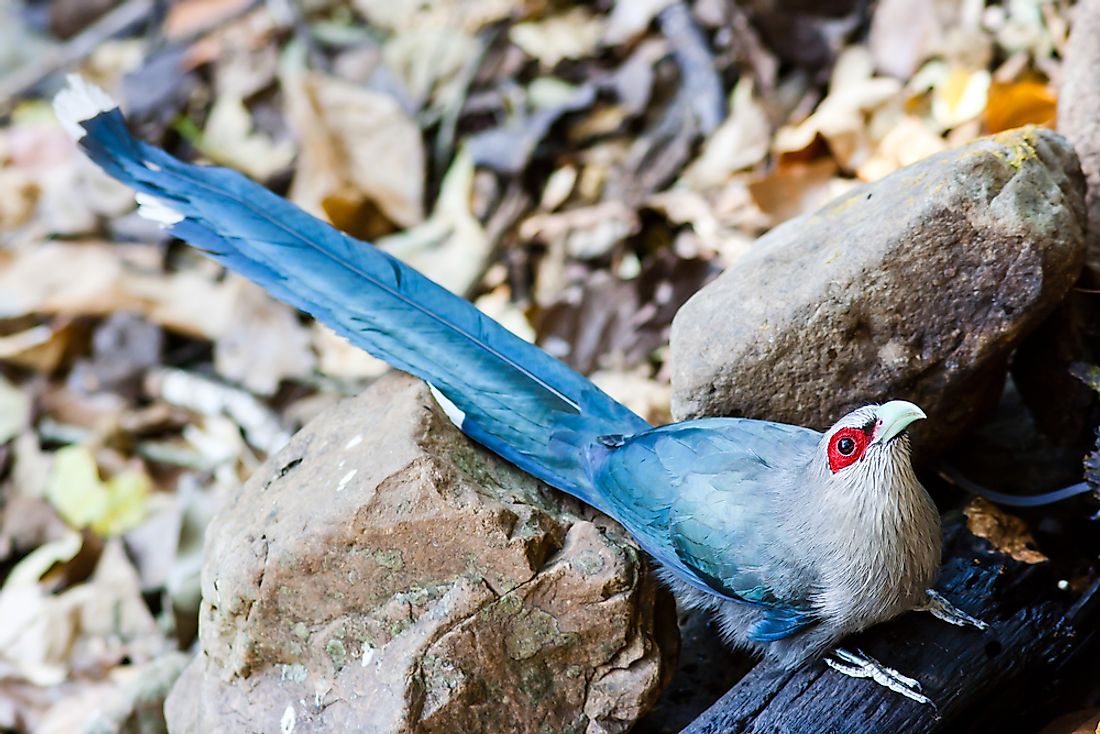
<point>578,170</point>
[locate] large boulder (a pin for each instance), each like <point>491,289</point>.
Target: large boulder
<point>384,574</point>
<point>916,287</point>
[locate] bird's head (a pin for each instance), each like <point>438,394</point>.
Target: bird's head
<point>869,443</point>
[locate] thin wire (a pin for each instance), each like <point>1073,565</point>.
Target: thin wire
<point>952,476</point>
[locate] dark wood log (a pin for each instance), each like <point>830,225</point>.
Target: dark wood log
<point>979,681</point>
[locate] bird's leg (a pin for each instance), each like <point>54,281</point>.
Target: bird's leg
<point>860,665</point>
<point>948,612</point>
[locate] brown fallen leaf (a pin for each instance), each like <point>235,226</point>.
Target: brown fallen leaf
<point>360,153</point>
<point>1008,533</point>
<point>841,118</point>
<point>187,17</point>
<point>70,279</point>
<point>796,188</point>
<point>41,348</point>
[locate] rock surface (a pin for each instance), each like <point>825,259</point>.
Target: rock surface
<point>1079,112</point>
<point>1065,408</point>
<point>915,287</point>
<point>383,574</point>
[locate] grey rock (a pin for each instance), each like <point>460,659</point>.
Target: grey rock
<point>1065,408</point>
<point>1079,111</point>
<point>384,574</point>
<point>915,287</point>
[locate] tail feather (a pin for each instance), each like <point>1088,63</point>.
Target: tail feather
<point>517,400</point>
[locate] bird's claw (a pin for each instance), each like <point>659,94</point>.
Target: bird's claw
<point>940,608</point>
<point>861,665</point>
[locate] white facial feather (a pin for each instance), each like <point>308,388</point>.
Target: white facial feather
<point>80,101</point>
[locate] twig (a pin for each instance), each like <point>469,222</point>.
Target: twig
<point>117,21</point>
<point>701,82</point>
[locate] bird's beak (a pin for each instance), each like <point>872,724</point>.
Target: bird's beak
<point>893,418</point>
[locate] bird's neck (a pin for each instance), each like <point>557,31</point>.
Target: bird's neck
<point>878,546</point>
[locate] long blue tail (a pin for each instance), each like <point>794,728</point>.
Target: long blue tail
<point>518,401</point>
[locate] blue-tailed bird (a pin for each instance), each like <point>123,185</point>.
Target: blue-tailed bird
<point>792,537</point>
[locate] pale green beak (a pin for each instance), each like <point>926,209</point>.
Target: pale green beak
<point>893,418</point>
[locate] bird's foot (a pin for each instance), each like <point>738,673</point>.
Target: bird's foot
<point>860,665</point>
<point>940,608</point>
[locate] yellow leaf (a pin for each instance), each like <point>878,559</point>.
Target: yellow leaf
<point>960,95</point>
<point>1017,104</point>
<point>74,487</point>
<point>126,496</point>
<point>84,500</point>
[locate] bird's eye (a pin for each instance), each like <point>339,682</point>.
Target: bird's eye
<point>846,447</point>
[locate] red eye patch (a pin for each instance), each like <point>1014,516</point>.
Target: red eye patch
<point>846,447</point>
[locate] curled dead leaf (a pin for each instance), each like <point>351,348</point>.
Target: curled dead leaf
<point>360,153</point>
<point>1007,533</point>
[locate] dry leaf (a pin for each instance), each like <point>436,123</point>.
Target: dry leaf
<point>405,15</point>
<point>509,147</point>
<point>741,141</point>
<point>338,358</point>
<point>33,566</point>
<point>959,95</point>
<point>84,500</point>
<point>1019,103</point>
<point>264,342</point>
<point>585,232</point>
<point>15,410</point>
<point>190,302</point>
<point>187,17</point>
<point>907,141</point>
<point>1007,533</point>
<point>65,279</point>
<point>451,247</point>
<point>574,34</point>
<point>841,118</point>
<point>41,348</point>
<point>229,139</point>
<point>360,151</point>
<point>796,188</point>
<point>18,198</point>
<point>430,61</point>
<point>630,18</point>
<point>87,627</point>
<point>207,397</point>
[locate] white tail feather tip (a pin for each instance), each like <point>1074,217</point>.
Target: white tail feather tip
<point>79,101</point>
<point>452,411</point>
<point>152,208</point>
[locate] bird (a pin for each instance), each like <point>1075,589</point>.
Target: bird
<point>791,537</point>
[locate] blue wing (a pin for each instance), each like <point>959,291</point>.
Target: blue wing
<point>701,492</point>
